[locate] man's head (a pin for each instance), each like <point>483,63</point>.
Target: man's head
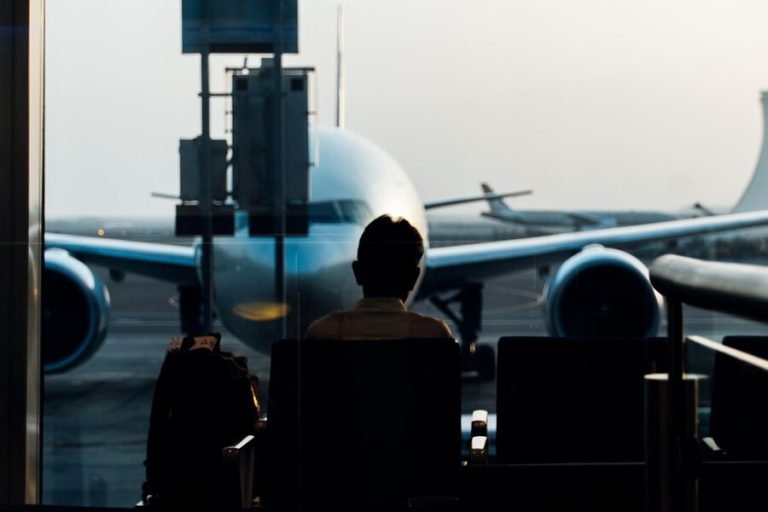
<point>388,258</point>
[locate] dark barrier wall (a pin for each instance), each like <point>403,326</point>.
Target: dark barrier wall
<point>21,67</point>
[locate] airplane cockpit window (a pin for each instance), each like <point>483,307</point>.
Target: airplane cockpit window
<point>340,211</point>
<point>355,211</point>
<point>324,212</point>
<point>613,115</point>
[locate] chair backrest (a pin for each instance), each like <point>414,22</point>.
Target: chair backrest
<point>739,418</point>
<point>363,421</point>
<point>573,399</point>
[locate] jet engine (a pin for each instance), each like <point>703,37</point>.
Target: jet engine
<point>75,312</point>
<point>602,292</point>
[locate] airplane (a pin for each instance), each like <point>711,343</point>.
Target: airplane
<point>575,220</point>
<point>598,289</point>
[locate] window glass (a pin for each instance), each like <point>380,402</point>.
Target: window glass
<point>614,115</point>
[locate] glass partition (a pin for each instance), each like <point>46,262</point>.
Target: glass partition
<point>614,115</point>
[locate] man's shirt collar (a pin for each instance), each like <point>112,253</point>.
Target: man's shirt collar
<point>388,303</point>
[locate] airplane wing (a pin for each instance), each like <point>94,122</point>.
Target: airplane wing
<point>449,267</point>
<point>174,263</point>
<point>473,199</point>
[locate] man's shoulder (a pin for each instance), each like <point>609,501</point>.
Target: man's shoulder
<point>327,326</point>
<point>430,326</point>
<point>333,325</point>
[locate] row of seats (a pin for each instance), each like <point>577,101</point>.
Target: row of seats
<point>377,424</point>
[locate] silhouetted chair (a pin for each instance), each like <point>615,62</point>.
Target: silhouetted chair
<point>739,417</point>
<point>570,425</point>
<point>738,431</point>
<point>573,399</point>
<point>371,423</point>
<point>236,479</point>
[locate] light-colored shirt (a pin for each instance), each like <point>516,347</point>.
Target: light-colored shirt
<point>376,318</point>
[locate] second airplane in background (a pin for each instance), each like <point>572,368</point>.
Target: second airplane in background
<point>569,220</point>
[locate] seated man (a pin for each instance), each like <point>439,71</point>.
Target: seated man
<point>387,268</point>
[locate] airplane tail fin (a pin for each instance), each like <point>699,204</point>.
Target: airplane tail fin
<point>498,206</point>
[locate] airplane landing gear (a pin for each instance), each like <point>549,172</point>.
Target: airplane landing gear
<point>476,359</point>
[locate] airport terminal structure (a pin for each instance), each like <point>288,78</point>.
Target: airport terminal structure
<point>754,196</point>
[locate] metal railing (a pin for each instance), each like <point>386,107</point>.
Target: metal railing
<point>737,289</point>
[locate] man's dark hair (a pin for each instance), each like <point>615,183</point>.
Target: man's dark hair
<point>388,256</point>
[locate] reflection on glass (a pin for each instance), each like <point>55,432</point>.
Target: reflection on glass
<point>564,99</point>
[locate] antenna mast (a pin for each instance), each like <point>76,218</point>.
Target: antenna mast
<point>340,113</point>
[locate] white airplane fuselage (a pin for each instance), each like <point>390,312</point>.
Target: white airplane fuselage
<point>353,182</point>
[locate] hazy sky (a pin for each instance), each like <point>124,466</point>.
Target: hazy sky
<point>593,103</point>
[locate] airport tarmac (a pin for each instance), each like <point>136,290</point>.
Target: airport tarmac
<point>96,416</point>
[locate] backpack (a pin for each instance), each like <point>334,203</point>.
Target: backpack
<point>204,400</point>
